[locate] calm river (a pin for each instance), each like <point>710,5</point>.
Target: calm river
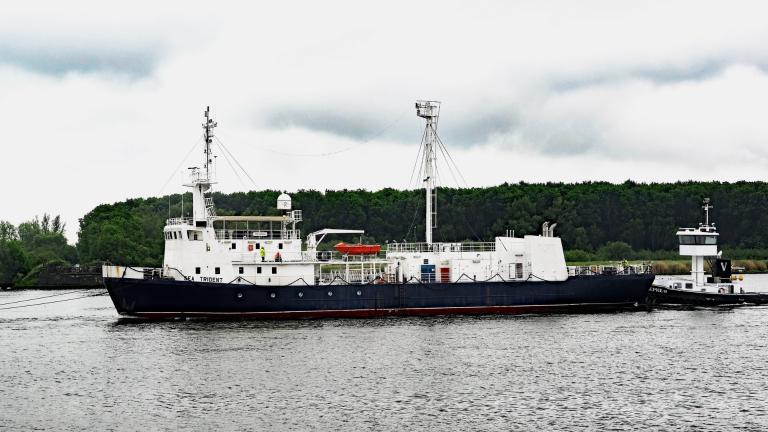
<point>73,365</point>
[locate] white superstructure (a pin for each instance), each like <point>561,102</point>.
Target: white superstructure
<point>268,250</point>
<point>701,244</point>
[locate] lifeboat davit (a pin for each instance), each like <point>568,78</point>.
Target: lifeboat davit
<point>357,249</point>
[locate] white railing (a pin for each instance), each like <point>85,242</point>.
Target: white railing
<point>442,247</point>
<point>356,276</point>
<point>179,221</point>
<point>618,269</point>
<point>257,234</point>
<point>335,256</point>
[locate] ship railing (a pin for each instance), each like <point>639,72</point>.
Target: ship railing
<point>179,221</point>
<point>617,269</point>
<point>335,256</point>
<point>354,277</point>
<point>442,247</point>
<point>257,234</point>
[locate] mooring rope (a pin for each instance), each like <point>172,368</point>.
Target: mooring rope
<point>54,301</point>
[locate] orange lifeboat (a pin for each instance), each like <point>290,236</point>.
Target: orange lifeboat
<point>357,249</point>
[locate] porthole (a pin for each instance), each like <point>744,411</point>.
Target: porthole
<point>359,292</point>
<point>301,294</point>
<point>239,295</point>
<point>272,295</point>
<point>330,293</point>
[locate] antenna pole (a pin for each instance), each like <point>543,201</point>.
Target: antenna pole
<point>430,111</point>
<point>208,135</point>
<point>706,208</point>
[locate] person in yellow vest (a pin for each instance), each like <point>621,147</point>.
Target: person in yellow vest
<point>262,253</point>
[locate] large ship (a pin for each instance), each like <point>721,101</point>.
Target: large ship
<point>258,267</point>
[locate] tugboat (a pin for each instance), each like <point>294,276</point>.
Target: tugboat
<point>257,267</point>
<point>721,288</point>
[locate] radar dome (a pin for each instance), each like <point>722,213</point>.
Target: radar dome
<point>284,202</point>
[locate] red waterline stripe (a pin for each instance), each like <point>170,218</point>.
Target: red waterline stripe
<point>366,313</point>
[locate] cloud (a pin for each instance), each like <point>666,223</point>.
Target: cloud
<point>132,62</point>
<point>305,92</point>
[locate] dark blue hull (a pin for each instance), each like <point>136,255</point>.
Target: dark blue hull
<point>159,298</point>
<point>671,296</point>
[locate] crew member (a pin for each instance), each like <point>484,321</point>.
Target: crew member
<point>262,253</point>
<point>278,258</point>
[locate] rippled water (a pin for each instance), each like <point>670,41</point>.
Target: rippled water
<point>74,365</point>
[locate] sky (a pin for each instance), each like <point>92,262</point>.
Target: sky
<point>103,101</point>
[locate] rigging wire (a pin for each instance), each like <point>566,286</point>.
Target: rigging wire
<point>39,298</point>
<point>450,158</point>
<point>236,161</point>
<point>181,163</point>
<point>418,159</point>
<point>226,158</point>
<point>54,301</point>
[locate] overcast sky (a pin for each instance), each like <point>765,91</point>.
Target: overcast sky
<point>100,103</point>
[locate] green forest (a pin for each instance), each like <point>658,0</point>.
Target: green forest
<point>596,220</point>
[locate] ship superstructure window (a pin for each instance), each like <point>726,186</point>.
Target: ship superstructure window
<point>698,240</point>
<point>258,270</point>
<point>279,245</point>
<point>274,270</point>
<point>195,235</point>
<point>174,235</point>
<point>217,270</point>
<point>197,270</point>
<point>240,270</point>
<point>518,270</point>
<point>234,246</point>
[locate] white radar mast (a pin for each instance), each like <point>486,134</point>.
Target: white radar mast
<point>429,110</point>
<point>201,181</point>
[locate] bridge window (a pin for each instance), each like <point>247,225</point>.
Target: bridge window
<point>194,235</point>
<point>698,240</point>
<point>174,235</point>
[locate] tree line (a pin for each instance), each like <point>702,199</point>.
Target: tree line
<point>596,220</point>
<point>24,249</point>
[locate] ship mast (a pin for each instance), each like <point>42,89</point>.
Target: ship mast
<point>208,136</point>
<point>201,180</point>
<point>706,206</point>
<point>429,110</point>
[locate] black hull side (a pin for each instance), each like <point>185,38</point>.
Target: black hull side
<point>670,296</point>
<point>167,299</point>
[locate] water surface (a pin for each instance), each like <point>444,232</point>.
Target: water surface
<point>74,365</point>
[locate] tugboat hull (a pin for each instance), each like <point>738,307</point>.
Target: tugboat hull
<point>664,295</point>
<point>162,298</point>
